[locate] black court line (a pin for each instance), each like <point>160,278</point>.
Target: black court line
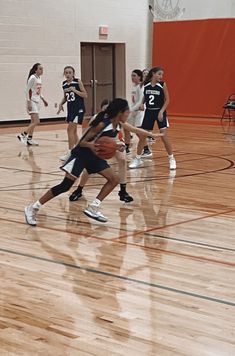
<point>127,279</point>
<point>14,135</point>
<point>6,188</point>
<point>16,170</point>
<point>23,189</point>
<point>191,242</point>
<point>204,157</point>
<point>143,179</point>
<point>128,231</point>
<point>117,240</point>
<point>59,218</point>
<point>153,159</point>
<point>148,179</point>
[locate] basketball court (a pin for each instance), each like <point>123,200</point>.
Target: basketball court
<point>158,278</point>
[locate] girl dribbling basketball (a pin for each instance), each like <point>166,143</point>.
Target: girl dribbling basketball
<point>121,160</point>
<point>83,156</point>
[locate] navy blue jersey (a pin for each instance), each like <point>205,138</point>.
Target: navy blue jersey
<point>74,102</point>
<point>108,129</point>
<point>105,119</point>
<point>154,96</point>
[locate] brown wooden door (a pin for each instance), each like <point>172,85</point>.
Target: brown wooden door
<point>98,74</point>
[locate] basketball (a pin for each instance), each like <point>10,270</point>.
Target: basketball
<point>107,148</point>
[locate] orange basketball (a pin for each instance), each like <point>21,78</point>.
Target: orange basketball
<point>107,147</point>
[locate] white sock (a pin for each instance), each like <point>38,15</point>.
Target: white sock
<point>96,202</point>
<point>37,205</point>
<point>171,156</point>
<point>138,156</point>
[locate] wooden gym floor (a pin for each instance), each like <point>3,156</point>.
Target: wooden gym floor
<point>157,279</point>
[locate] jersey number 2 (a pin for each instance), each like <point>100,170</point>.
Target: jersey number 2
<point>151,99</point>
<point>70,96</point>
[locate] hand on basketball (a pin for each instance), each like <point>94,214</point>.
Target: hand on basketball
<point>95,147</point>
<point>121,146</point>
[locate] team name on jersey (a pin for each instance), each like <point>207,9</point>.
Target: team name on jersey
<point>65,84</point>
<point>153,92</point>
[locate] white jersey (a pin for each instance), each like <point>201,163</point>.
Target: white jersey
<point>136,116</point>
<point>34,87</point>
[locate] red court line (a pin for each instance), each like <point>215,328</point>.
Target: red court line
<point>174,224</point>
<point>200,258</point>
<point>54,229</point>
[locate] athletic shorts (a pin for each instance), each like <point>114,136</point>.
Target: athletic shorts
<point>151,116</point>
<point>83,158</point>
<point>35,107</point>
<point>75,117</point>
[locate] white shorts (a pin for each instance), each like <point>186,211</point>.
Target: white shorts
<point>136,118</point>
<point>35,108</point>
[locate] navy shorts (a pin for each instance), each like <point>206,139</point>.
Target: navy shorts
<point>83,158</point>
<point>150,117</point>
<point>75,117</point>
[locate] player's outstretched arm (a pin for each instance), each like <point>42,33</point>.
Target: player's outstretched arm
<point>139,131</point>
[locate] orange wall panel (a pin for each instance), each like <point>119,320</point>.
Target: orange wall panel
<point>199,61</point>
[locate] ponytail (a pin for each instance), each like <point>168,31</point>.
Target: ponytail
<point>33,70</point>
<point>150,74</point>
<point>105,102</point>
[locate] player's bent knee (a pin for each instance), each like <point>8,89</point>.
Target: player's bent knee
<point>63,187</point>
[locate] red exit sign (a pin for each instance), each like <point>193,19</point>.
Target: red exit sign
<point>104,30</point>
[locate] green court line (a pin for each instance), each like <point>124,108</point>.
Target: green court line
<point>128,279</point>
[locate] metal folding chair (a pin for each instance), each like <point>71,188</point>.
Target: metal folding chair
<point>229,108</point>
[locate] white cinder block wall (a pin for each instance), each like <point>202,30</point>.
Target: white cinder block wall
<point>50,32</point>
